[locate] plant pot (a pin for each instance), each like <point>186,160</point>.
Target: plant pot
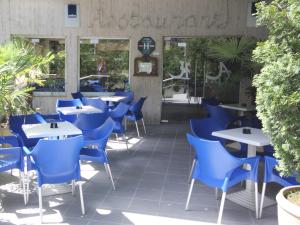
<point>288,213</point>
<point>4,131</point>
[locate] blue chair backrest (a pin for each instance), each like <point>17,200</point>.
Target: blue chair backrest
<point>57,161</point>
<point>210,101</point>
<point>14,152</point>
<point>15,125</point>
<point>77,95</point>
<point>219,113</point>
<point>87,122</point>
<point>213,161</point>
<point>101,134</point>
<point>203,128</point>
<point>96,102</point>
<point>128,94</point>
<point>118,113</point>
<point>136,108</point>
<point>68,103</point>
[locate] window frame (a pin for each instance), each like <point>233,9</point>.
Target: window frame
<point>101,93</point>
<point>48,93</point>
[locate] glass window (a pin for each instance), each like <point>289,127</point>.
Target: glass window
<point>55,76</point>
<point>206,67</point>
<point>104,65</point>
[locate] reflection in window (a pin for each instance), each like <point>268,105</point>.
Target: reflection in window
<point>104,65</point>
<point>206,67</point>
<point>55,75</point>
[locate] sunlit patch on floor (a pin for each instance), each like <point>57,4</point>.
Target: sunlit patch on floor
<point>120,144</point>
<point>103,211</point>
<point>143,219</point>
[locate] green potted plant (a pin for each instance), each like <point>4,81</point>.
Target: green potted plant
<point>21,68</point>
<point>278,94</point>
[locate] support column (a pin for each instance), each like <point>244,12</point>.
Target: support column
<point>148,86</point>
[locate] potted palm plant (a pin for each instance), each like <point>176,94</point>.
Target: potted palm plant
<point>278,94</point>
<point>20,69</point>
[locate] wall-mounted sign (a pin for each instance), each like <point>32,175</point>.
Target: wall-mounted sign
<point>72,15</point>
<point>146,46</point>
<point>145,66</point>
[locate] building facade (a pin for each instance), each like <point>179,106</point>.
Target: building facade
<point>123,19</point>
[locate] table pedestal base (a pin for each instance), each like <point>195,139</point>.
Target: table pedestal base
<point>246,198</point>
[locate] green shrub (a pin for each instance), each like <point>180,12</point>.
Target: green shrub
<point>278,84</point>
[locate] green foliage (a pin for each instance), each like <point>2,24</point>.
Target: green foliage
<point>278,84</point>
<point>20,69</point>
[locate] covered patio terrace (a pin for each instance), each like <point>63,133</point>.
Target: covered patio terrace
<point>151,188</point>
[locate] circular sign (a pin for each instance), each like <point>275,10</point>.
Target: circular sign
<point>146,45</point>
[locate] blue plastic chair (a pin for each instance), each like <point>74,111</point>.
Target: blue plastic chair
<point>96,102</point>
<point>117,114</point>
<point>12,157</point>
<point>135,113</point>
<point>89,122</point>
<point>218,113</point>
<point>203,128</point>
<point>57,161</point>
<point>15,125</point>
<point>77,95</point>
<point>271,175</point>
<point>211,172</point>
<point>68,103</point>
<point>98,137</point>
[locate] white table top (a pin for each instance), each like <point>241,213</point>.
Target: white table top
<point>113,98</point>
<point>43,130</point>
<point>72,110</point>
<point>256,138</point>
<point>238,107</point>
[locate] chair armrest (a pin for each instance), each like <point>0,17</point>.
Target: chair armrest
<point>26,151</point>
<point>253,161</point>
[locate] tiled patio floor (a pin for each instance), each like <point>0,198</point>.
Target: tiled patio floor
<point>151,182</point>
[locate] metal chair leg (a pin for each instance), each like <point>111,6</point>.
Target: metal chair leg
<point>137,128</point>
<point>73,187</point>
<point>27,188</point>
<point>81,199</point>
<point>107,168</point>
<point>192,170</point>
<point>217,193</point>
<point>40,203</point>
<point>144,125</point>
<point>126,142</point>
<point>189,195</point>
<point>221,208</point>
<point>125,124</point>
<point>256,200</point>
<point>262,199</point>
<point>22,180</point>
